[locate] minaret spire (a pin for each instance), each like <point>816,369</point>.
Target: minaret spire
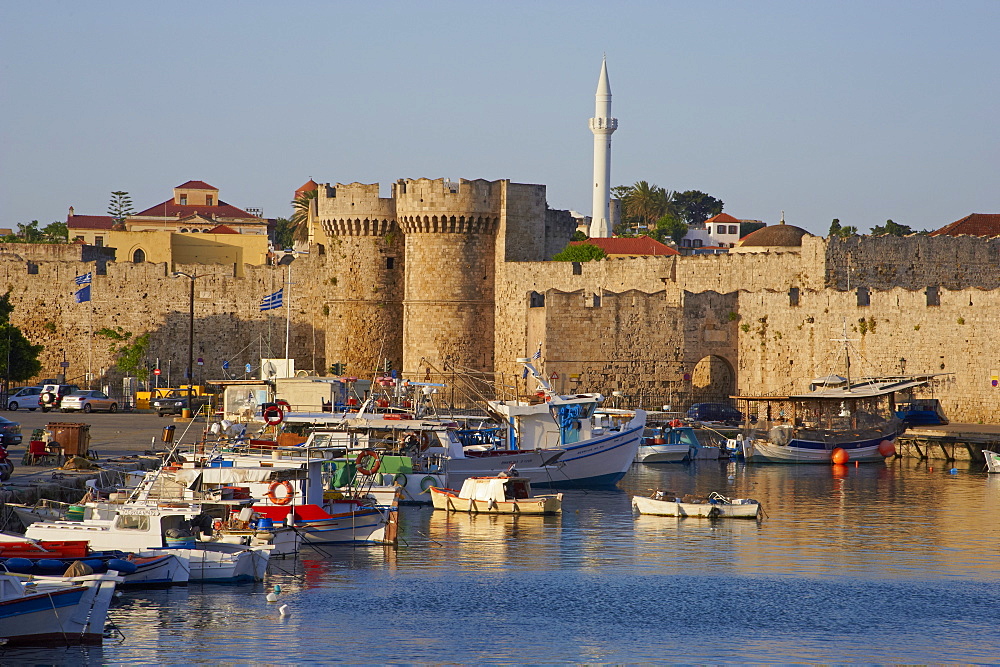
<point>603,126</point>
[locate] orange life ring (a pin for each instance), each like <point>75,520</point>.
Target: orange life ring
<point>273,415</point>
<point>284,500</point>
<point>367,454</point>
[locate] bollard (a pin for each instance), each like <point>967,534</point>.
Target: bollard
<point>168,433</point>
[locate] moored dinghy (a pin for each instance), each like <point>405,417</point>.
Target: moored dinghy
<point>716,506</point>
<point>503,494</point>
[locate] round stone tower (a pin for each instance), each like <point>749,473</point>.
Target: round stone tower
<point>362,277</point>
<point>448,306</point>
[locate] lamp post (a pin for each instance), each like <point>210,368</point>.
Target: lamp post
<point>186,411</point>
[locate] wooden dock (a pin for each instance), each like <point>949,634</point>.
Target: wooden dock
<point>953,442</point>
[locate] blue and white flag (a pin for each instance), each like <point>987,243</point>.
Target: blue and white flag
<point>82,295</point>
<point>85,279</point>
<point>272,301</point>
<point>538,353</point>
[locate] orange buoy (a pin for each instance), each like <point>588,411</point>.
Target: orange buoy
<point>840,456</point>
<point>886,448</point>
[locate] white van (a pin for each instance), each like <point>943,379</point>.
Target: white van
<point>25,397</point>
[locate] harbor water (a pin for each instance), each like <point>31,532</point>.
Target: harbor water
<point>893,563</point>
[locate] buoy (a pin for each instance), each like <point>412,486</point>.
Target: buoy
<point>277,588</point>
<point>283,610</point>
<point>271,597</point>
<point>953,471</point>
<point>886,448</point>
<point>840,456</point>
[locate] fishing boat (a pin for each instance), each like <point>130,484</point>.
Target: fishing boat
<point>992,461</point>
<point>40,557</point>
<point>502,494</point>
<point>716,506</point>
<point>54,611</point>
<point>155,528</point>
<point>673,443</point>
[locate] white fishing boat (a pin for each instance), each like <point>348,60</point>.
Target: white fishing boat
<point>673,443</point>
<point>54,611</point>
<point>992,461</point>
<point>502,494</point>
<point>160,528</point>
<point>716,506</point>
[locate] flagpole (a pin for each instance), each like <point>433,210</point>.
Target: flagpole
<point>288,315</point>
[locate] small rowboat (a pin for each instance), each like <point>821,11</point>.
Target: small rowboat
<point>716,506</point>
<point>502,494</point>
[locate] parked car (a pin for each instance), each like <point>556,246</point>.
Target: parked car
<point>88,400</point>
<point>10,432</point>
<point>175,401</point>
<point>25,397</point>
<point>52,395</point>
<point>715,412</point>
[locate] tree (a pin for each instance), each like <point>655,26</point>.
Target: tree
<point>579,236</point>
<point>669,227</point>
<point>56,232</point>
<point>584,252</point>
<point>18,357</point>
<point>891,228</point>
<point>131,356</point>
<point>646,203</point>
<point>843,232</point>
<point>695,207</point>
<point>29,233</point>
<point>300,219</point>
<point>284,233</point>
<point>119,208</point>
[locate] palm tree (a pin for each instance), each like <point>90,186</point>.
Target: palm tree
<point>647,202</point>
<point>300,219</point>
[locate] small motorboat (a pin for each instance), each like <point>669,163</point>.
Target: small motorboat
<point>992,461</point>
<point>54,611</point>
<point>505,493</point>
<point>716,506</point>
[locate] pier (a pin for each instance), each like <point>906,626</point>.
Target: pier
<point>951,442</point>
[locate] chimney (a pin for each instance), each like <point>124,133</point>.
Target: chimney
<point>70,214</point>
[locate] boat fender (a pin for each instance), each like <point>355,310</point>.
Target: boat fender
<point>283,500</point>
<point>19,565</point>
<point>363,458</point>
<point>49,565</point>
<point>427,482</point>
<point>123,566</point>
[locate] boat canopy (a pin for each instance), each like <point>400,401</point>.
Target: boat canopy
<point>870,388</point>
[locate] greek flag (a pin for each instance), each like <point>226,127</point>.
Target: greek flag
<point>272,301</point>
<point>538,353</point>
<point>85,279</point>
<point>82,295</point>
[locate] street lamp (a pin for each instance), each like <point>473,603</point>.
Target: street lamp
<point>186,412</point>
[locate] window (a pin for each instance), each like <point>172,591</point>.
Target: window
<point>390,262</point>
<point>132,522</point>
<point>695,243</point>
<point>184,230</point>
<point>208,200</point>
<point>139,256</point>
<point>536,300</point>
<point>99,241</point>
<point>184,200</point>
<point>732,229</point>
<point>793,296</point>
<point>864,297</point>
<point>32,269</point>
<point>577,268</point>
<point>933,296</point>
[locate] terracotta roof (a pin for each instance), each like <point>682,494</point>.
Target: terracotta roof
<point>196,185</point>
<point>974,224</point>
<point>90,222</point>
<point>222,229</point>
<point>169,209</point>
<point>786,236</point>
<point>722,217</point>
<point>639,245</point>
<point>309,186</point>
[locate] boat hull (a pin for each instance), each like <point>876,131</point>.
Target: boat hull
<point>804,451</point>
<point>372,526</point>
<point>598,462</point>
<point>663,453</point>
<point>745,510</point>
<point>992,461</point>
<point>448,499</point>
<point>59,614</point>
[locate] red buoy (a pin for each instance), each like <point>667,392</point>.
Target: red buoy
<point>840,456</point>
<point>886,448</point>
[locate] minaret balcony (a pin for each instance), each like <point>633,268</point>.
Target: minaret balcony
<point>603,124</point>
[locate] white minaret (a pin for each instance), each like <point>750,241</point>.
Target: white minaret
<point>602,125</point>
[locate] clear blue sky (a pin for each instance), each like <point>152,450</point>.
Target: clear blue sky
<point>861,111</point>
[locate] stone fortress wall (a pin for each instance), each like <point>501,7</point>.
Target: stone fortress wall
<point>453,273</point>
